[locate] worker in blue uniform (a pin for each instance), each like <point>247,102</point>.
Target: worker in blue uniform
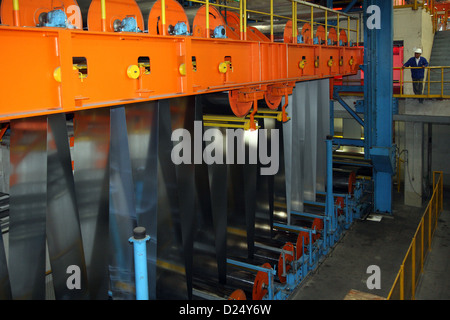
<point>417,75</point>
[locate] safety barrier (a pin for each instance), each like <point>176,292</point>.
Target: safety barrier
<point>329,14</point>
<point>428,82</point>
<point>405,284</point>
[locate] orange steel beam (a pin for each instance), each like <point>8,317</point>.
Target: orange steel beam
<point>40,76</point>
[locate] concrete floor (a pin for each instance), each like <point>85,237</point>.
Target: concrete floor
<point>383,244</point>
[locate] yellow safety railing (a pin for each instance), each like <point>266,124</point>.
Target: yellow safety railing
<point>244,11</point>
<point>405,284</point>
<point>428,82</point>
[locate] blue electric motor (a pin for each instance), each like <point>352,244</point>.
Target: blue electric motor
<point>57,18</point>
<point>181,29</point>
<point>129,24</point>
<point>219,32</point>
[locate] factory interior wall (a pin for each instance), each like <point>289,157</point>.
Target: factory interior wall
<point>415,28</point>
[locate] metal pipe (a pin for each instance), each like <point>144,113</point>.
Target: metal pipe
<point>329,208</point>
<point>163,13</point>
<point>103,17</point>
<point>139,241</point>
<point>312,5</point>
<point>208,32</point>
<point>16,13</point>
<point>245,19</point>
<point>271,21</point>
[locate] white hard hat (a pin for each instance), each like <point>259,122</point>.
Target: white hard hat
<point>418,51</point>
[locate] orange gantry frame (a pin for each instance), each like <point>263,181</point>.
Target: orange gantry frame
<point>51,70</point>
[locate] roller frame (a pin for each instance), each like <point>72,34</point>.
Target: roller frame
<point>54,49</point>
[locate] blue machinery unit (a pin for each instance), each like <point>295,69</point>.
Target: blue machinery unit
<point>378,104</point>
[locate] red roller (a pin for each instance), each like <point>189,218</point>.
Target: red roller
<point>238,294</point>
<point>288,258</point>
<point>174,14</point>
<point>302,241</point>
<point>320,34</point>
<point>318,225</point>
<point>261,283</point>
<point>287,35</point>
<point>240,109</point>
<point>215,20</point>
<point>306,33</point>
<point>332,35</point>
<point>343,37</point>
<point>115,11</point>
<point>351,182</point>
<point>340,203</point>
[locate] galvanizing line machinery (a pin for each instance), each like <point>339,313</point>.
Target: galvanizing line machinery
<point>91,111</point>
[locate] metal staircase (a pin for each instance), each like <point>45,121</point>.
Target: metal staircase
<point>440,57</point>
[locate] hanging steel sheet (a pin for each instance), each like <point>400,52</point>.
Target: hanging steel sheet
<point>64,241</point>
<point>323,129</point>
<point>142,126</point>
<point>171,263</point>
<point>122,211</point>
<point>310,103</point>
<point>5,286</point>
<point>28,204</point>
<point>91,176</point>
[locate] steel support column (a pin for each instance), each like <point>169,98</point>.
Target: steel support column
<point>378,63</point>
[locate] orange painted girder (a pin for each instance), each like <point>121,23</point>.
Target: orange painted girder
<point>33,55</point>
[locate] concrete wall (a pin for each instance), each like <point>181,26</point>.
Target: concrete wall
<point>440,158</point>
<point>415,29</point>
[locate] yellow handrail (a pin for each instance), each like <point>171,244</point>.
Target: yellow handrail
<point>442,94</point>
<point>428,223</point>
<point>244,10</point>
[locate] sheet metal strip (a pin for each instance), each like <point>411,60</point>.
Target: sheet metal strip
<point>171,270</point>
<point>91,176</point>
<point>5,286</point>
<point>28,204</point>
<point>65,245</point>
<point>309,102</point>
<point>142,126</point>
<point>323,129</point>
<point>122,211</point>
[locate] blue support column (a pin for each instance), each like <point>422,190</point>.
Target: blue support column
<point>329,208</point>
<point>378,91</point>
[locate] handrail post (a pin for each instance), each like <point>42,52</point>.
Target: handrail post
<point>312,24</point>
<point>442,82</point>
<point>338,29</point>
<point>271,21</point>
<point>103,14</point>
<point>429,82</point>
<point>245,19</point>
<point>357,33</point>
<point>413,267</point>
<point>401,81</point>
<point>326,27</point>
<point>16,13</point>
<point>163,14</point>
<point>241,20</point>
<point>208,32</point>
<point>402,283</point>
<point>348,31</point>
